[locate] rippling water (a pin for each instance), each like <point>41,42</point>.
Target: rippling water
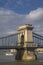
<point>10,60</point>
<point>38,62</point>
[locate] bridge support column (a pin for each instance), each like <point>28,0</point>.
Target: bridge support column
<point>29,55</point>
<point>25,40</point>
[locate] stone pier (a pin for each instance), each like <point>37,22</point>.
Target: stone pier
<point>25,39</point>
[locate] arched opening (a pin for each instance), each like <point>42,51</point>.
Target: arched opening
<point>22,39</point>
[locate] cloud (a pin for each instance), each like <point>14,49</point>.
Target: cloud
<point>35,14</point>
<point>36,18</point>
<point>9,20</point>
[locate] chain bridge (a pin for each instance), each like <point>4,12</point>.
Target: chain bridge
<point>25,40</point>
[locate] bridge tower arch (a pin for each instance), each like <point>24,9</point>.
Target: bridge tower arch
<point>26,31</point>
<point>25,39</point>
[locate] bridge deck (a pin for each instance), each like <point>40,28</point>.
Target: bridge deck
<point>19,48</point>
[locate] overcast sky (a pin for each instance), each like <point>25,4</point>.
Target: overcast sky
<point>14,13</point>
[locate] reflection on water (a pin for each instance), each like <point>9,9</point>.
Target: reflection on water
<point>9,59</point>
<point>7,55</point>
<point>22,63</point>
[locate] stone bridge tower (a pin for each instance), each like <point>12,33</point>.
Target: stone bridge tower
<point>26,32</point>
<point>25,39</point>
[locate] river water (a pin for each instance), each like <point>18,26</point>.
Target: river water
<point>10,60</point>
<point>38,62</point>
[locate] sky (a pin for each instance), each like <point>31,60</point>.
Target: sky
<point>14,13</point>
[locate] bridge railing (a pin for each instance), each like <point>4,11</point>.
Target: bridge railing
<point>9,40</point>
<point>37,39</point>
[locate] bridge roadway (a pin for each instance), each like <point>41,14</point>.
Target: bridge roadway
<point>20,48</point>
